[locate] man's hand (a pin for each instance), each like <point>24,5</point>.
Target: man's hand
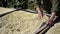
<point>49,22</point>
<point>40,16</point>
<point>40,13</point>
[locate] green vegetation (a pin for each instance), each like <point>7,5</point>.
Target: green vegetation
<point>24,4</point>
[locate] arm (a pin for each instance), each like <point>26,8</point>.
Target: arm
<point>38,9</point>
<point>50,21</point>
<point>53,10</point>
<point>52,16</point>
<point>40,12</point>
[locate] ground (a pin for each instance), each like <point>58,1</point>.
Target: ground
<point>22,22</point>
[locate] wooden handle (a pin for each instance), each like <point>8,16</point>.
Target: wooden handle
<point>44,30</point>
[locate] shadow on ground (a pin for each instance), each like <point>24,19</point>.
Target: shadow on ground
<point>30,11</point>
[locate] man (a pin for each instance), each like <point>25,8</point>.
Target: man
<point>51,6</point>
